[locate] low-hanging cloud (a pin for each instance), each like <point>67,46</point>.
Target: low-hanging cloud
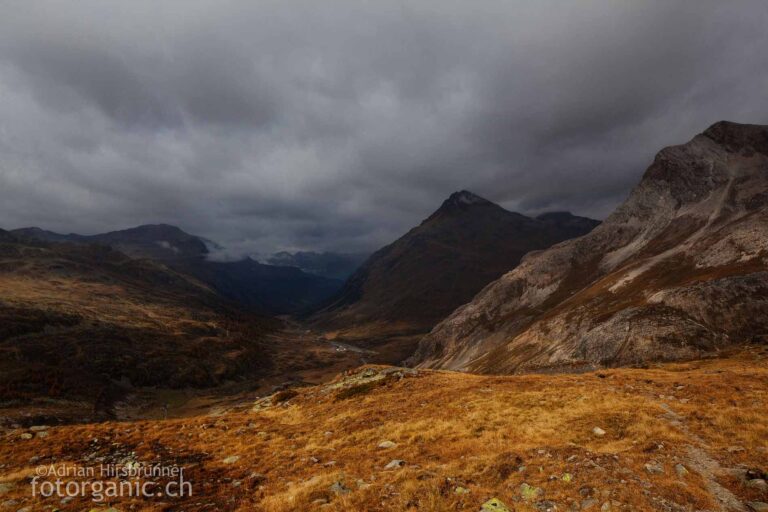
<point>338,125</point>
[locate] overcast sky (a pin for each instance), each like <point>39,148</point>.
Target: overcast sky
<point>338,125</point>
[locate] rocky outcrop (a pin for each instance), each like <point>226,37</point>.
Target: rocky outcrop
<point>679,269</point>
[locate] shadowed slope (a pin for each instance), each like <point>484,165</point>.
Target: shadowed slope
<point>87,322</point>
<point>414,282</point>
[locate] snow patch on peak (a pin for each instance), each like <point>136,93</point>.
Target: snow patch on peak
<point>466,197</point>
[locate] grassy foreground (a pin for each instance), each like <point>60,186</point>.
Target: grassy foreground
<point>685,436</point>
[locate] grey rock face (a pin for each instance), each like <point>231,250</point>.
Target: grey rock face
<point>681,268</point>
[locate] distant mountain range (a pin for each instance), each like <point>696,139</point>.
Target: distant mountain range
<point>413,283</point>
<point>160,242</point>
<point>327,264</point>
<point>677,271</point>
<point>267,288</point>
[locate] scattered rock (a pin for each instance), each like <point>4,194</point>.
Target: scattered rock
<point>589,504</point>
<point>681,470</point>
<point>42,433</point>
<point>284,396</point>
<point>339,488</point>
<point>598,432</point>
<point>654,468</point>
<point>4,488</point>
<point>758,506</point>
<point>759,484</point>
<point>529,492</point>
<point>26,435</point>
<point>400,372</point>
<point>262,403</point>
<point>494,505</point>
<point>257,478</point>
<point>546,506</point>
<point>395,464</point>
<point>385,445</point>
<point>735,449</point>
<point>231,459</point>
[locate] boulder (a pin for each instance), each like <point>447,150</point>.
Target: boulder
<point>494,505</point>
<point>529,492</point>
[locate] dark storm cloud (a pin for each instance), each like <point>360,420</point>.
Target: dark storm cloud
<point>339,125</point>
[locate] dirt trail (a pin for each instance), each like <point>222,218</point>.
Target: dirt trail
<point>700,461</point>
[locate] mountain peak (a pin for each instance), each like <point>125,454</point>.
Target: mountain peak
<point>154,229</point>
<point>647,285</point>
<point>464,197</point>
<point>735,136</point>
<point>459,203</point>
<point>463,200</point>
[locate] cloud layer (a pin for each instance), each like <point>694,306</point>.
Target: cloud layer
<point>338,125</point>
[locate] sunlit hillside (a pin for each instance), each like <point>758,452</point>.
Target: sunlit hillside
<point>687,436</point>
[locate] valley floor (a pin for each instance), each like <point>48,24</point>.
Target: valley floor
<point>678,436</point>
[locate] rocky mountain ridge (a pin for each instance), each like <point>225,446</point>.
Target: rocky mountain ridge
<point>678,270</point>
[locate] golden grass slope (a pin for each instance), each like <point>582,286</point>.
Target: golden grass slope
<point>464,439</point>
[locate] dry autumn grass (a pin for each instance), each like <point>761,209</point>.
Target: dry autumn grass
<point>463,438</point>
